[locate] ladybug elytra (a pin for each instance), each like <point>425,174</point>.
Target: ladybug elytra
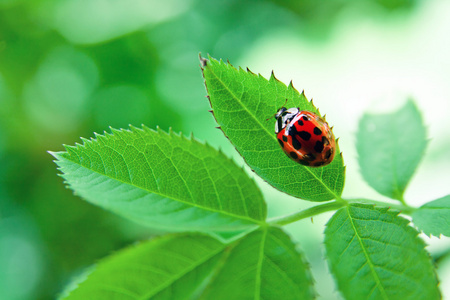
<point>305,137</point>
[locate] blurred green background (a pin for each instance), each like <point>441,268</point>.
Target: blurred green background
<point>69,68</point>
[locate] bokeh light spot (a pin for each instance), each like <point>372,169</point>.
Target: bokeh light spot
<point>20,261</point>
<point>94,21</point>
<point>55,98</point>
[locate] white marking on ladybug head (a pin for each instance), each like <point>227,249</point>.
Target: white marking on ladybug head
<point>284,116</point>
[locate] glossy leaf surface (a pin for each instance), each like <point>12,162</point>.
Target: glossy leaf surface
<point>163,180</point>
<point>170,267</point>
<point>262,265</point>
<point>242,102</point>
<point>374,254</point>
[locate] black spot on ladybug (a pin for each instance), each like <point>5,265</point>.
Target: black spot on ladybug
<point>328,154</point>
<point>304,162</point>
<point>305,118</point>
<point>309,157</point>
<point>318,147</point>
<point>293,155</point>
<point>284,138</point>
<point>305,135</point>
<point>325,141</point>
<point>296,144</point>
<point>318,164</point>
<point>281,143</point>
<point>317,131</point>
<point>300,122</point>
<point>292,131</point>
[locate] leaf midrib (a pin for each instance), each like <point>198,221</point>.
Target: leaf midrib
<point>272,136</point>
<point>397,192</point>
<point>369,261</point>
<point>259,222</point>
<point>181,274</point>
<point>259,265</point>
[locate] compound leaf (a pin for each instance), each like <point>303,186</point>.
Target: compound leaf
<point>374,254</point>
<point>263,265</point>
<point>163,180</point>
<point>434,217</point>
<point>170,267</point>
<point>390,147</point>
<point>241,103</point>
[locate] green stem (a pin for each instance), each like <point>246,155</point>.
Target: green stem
<point>401,199</point>
<point>406,209</point>
<point>306,213</point>
<point>334,205</point>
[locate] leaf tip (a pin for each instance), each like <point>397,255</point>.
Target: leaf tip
<point>56,155</point>
<point>203,61</point>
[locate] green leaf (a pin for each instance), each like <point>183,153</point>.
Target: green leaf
<point>434,217</point>
<point>263,265</point>
<point>241,103</point>
<point>163,180</point>
<point>374,254</point>
<point>390,147</point>
<point>170,267</point>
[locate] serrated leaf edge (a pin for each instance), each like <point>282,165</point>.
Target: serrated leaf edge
<point>265,230</point>
<point>171,134</point>
<point>426,206</point>
<point>204,63</point>
<point>404,222</point>
<point>131,247</point>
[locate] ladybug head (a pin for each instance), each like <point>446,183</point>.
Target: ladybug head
<point>280,112</point>
<point>284,116</point>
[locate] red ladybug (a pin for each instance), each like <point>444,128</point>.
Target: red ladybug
<point>305,137</point>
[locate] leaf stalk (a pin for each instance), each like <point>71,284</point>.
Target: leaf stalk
<point>306,213</point>
<point>333,205</point>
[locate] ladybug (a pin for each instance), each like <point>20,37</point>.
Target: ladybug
<point>305,137</point>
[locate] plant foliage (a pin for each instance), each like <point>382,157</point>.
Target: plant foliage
<point>187,266</point>
<point>390,147</point>
<point>374,254</point>
<point>163,180</point>
<point>173,183</point>
<point>241,103</point>
<point>434,217</point>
